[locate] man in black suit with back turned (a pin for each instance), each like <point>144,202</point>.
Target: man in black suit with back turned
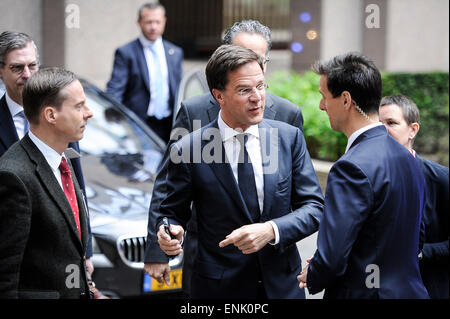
<point>43,215</point>
<point>204,109</point>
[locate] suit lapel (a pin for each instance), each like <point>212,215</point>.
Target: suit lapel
<point>82,208</point>
<point>8,133</point>
<point>213,109</point>
<point>170,65</point>
<point>269,143</point>
<point>49,182</point>
<point>269,112</point>
<point>224,173</point>
<point>140,57</point>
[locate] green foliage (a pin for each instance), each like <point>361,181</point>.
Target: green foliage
<point>430,91</point>
<point>303,90</point>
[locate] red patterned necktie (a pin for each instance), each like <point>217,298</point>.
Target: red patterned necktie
<point>69,191</point>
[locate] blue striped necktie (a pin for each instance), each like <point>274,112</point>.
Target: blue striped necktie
<point>26,126</point>
<point>158,100</point>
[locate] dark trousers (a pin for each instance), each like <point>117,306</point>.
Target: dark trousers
<point>161,127</point>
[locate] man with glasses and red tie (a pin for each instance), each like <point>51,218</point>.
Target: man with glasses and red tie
<point>43,215</point>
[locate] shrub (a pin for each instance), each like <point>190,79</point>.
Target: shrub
<point>430,91</point>
<point>303,90</point>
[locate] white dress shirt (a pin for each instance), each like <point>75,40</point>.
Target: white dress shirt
<point>53,157</point>
<point>357,133</point>
<point>233,147</point>
<point>19,121</point>
<point>151,71</point>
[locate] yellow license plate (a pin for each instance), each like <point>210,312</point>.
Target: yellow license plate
<point>175,281</point>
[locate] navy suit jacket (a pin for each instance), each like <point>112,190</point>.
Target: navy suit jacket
<point>8,136</point>
<point>130,82</point>
<point>292,199</point>
<point>374,201</point>
<point>435,262</point>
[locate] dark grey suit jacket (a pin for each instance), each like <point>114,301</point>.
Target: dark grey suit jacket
<point>42,255</point>
<point>203,109</point>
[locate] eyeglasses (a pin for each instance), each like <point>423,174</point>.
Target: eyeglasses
<point>19,68</point>
<point>266,60</point>
<point>247,92</point>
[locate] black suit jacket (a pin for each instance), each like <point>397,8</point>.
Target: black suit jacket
<point>8,136</point>
<point>435,262</point>
<point>42,255</point>
<point>292,200</point>
<point>193,114</point>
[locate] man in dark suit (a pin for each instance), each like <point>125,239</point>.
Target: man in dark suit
<point>368,241</point>
<point>401,117</point>
<point>43,215</point>
<point>19,59</point>
<point>195,113</point>
<point>147,72</point>
<point>254,188</point>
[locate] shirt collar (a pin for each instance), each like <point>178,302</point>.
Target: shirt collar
<point>146,42</point>
<point>53,157</point>
<point>357,133</point>
<point>227,132</point>
<point>14,108</point>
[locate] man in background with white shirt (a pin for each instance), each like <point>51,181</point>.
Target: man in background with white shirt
<point>43,215</point>
<point>368,241</point>
<point>254,188</point>
<point>147,72</point>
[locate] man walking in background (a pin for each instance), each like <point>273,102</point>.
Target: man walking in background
<point>147,72</point>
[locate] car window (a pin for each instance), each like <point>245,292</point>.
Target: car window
<point>119,161</point>
<point>194,83</point>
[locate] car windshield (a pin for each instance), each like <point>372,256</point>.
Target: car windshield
<point>119,161</point>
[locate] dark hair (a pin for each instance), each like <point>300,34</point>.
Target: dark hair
<point>248,26</point>
<point>10,40</point>
<point>410,110</point>
<point>45,88</point>
<point>228,58</point>
<point>150,6</point>
<point>355,73</point>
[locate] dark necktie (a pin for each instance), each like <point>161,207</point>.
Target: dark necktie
<point>69,191</point>
<point>246,179</point>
